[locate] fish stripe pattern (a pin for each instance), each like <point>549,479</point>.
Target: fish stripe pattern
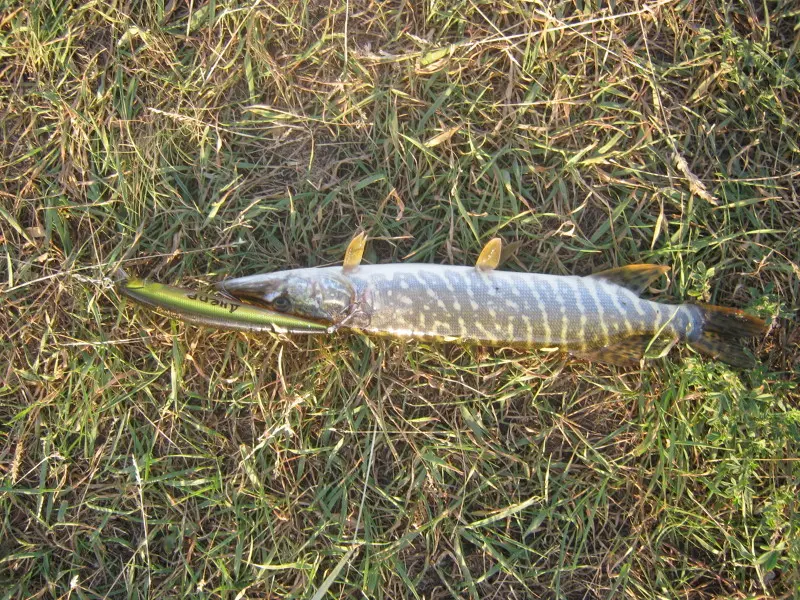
<point>487,307</point>
<point>600,317</point>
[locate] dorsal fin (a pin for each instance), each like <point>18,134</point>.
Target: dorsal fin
<point>634,277</point>
<point>354,252</point>
<point>490,255</point>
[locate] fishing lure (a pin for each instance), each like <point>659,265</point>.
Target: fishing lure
<point>213,309</point>
<point>599,317</point>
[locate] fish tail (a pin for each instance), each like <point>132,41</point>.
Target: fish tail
<point>720,332</point>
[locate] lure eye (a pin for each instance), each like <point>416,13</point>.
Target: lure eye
<point>282,303</point>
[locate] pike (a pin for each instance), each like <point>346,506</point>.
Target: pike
<point>214,310</point>
<point>597,317</point>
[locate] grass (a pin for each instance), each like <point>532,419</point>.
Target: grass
<point>189,141</point>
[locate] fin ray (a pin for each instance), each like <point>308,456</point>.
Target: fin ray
<point>489,258</point>
<point>354,252</point>
<point>628,351</point>
<point>636,278</point>
<point>722,331</point>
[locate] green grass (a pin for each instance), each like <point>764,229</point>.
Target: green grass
<point>190,141</point>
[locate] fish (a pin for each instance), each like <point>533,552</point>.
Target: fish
<point>600,317</point>
<point>213,309</point>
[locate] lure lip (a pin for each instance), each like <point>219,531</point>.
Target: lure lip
<point>214,309</point>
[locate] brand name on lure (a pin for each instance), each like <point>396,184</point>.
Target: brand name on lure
<point>214,301</point>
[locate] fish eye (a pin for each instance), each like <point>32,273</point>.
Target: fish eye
<point>282,303</point>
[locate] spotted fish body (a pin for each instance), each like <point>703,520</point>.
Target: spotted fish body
<point>598,316</point>
<point>502,307</point>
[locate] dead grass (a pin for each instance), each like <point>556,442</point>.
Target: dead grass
<point>185,141</point>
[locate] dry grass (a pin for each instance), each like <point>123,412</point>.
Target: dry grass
<point>187,141</point>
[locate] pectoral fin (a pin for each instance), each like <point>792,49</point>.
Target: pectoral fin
<point>628,351</point>
<point>489,257</point>
<point>634,277</point>
<point>354,252</point>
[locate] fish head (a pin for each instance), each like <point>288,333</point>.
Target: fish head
<point>323,294</point>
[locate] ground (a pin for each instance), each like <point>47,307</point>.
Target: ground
<point>191,141</point>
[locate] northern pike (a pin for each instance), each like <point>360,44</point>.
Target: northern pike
<point>202,308</point>
<point>599,317</point>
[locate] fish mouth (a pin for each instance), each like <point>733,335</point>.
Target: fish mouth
<point>260,292</point>
<point>248,290</point>
<point>246,297</point>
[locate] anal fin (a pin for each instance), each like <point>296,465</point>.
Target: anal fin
<point>628,351</point>
<point>636,278</point>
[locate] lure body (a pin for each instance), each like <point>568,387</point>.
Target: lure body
<point>600,317</point>
<point>213,309</point>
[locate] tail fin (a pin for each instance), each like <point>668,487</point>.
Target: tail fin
<point>721,334</point>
